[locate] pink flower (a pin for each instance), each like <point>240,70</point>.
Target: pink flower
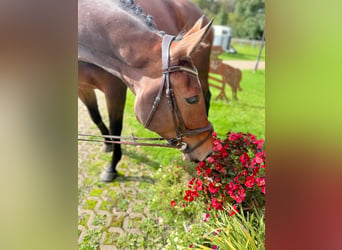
<point>217,146</point>
<point>214,247</point>
<point>211,159</point>
<point>242,193</point>
<point>259,143</point>
<point>191,246</point>
<point>260,182</point>
<point>249,181</point>
<point>214,134</point>
<point>173,203</point>
<point>199,185</point>
<point>259,157</point>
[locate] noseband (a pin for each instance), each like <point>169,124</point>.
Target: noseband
<point>180,128</point>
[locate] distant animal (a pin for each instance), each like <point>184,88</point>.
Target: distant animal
<point>119,46</point>
<point>230,75</point>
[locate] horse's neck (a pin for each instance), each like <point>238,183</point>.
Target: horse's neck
<point>117,41</point>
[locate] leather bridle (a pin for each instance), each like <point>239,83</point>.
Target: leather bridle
<point>179,125</point>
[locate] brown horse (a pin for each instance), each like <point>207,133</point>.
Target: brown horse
<point>119,46</point>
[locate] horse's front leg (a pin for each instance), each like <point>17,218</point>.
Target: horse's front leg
<point>88,97</point>
<point>115,98</point>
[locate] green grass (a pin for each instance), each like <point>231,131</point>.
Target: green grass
<point>241,231</point>
<point>244,52</point>
<point>245,115</point>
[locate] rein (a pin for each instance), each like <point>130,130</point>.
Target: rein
<point>127,140</point>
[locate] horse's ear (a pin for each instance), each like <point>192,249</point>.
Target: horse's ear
<point>191,39</point>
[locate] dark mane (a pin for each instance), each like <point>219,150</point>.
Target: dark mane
<point>138,11</point>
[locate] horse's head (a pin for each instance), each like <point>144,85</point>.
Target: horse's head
<point>172,104</point>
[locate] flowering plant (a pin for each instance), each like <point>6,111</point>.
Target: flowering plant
<point>234,173</point>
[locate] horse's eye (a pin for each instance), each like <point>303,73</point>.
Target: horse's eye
<point>192,100</point>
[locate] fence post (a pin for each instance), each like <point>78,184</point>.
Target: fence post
<point>260,50</point>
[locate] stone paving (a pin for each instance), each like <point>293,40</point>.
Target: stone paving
<point>107,211</point>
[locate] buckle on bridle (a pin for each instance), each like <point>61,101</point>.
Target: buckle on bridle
<point>177,142</point>
<point>183,146</point>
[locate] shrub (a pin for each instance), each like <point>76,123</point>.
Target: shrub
<point>234,174</point>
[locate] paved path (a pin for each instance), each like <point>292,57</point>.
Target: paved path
<point>108,211</point>
<point>245,64</point>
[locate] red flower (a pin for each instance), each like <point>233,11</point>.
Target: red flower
<point>191,246</point>
<point>198,171</point>
<point>233,211</point>
<point>189,195</point>
<point>191,182</point>
<point>237,165</point>
<point>201,164</point>
<point>244,158</point>
<point>212,188</point>
<point>173,203</point>
<point>208,171</point>
<point>256,171</point>
<point>234,136</point>
<point>216,204</point>
<point>249,181</point>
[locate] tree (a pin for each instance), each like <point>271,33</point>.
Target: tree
<point>209,7</point>
<point>223,17</point>
<point>250,18</point>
